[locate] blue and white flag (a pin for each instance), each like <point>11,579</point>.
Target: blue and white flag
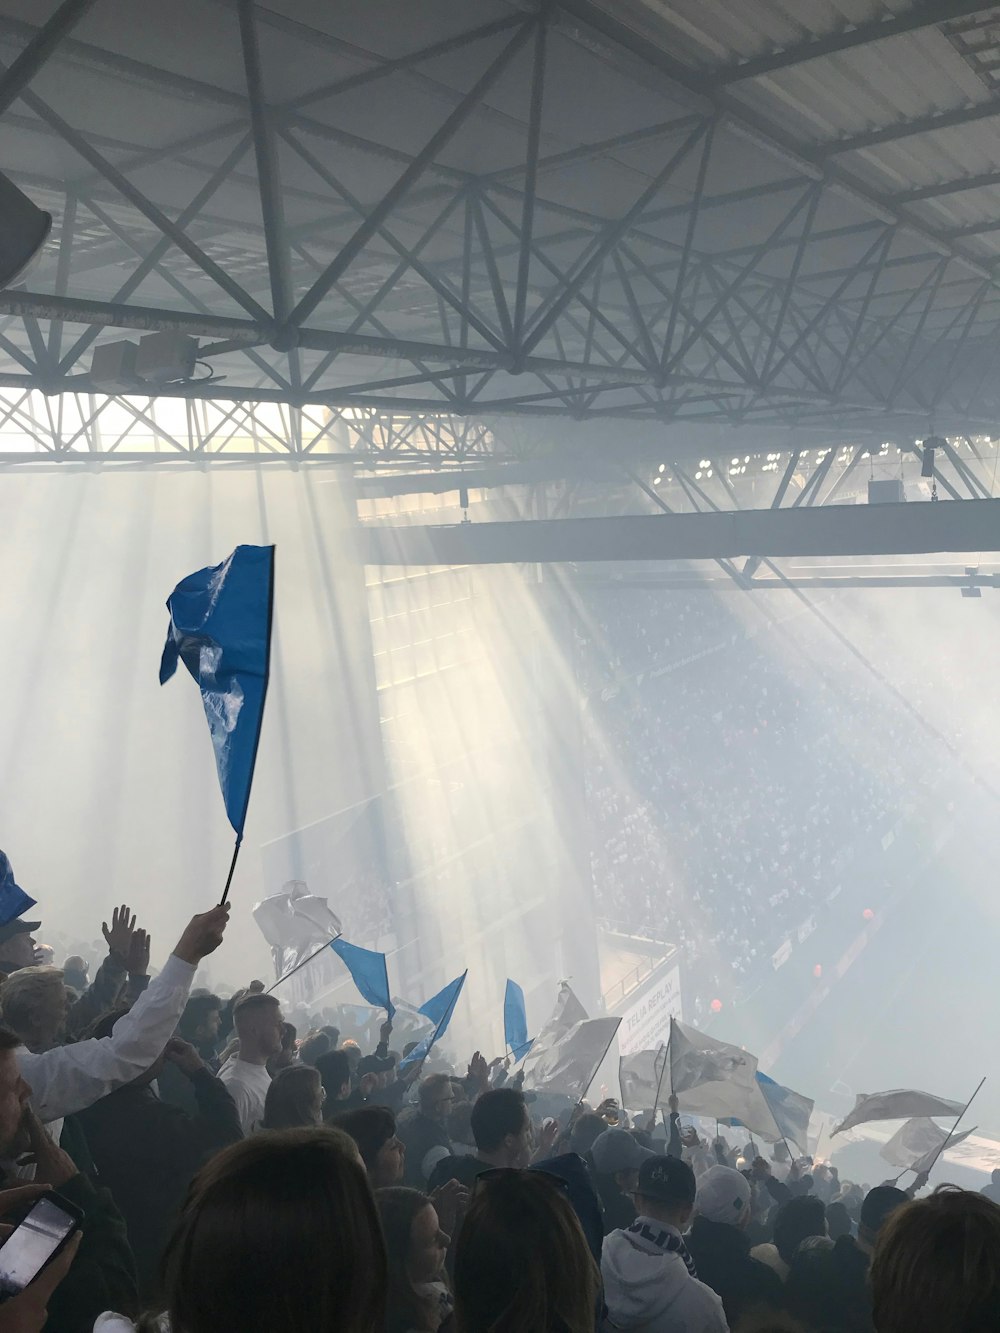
<point>13,899</point>
<point>220,628</point>
<point>439,1009</point>
<point>368,968</point>
<point>515,1021</point>
<point>792,1112</point>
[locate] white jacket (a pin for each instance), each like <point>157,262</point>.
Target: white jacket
<point>648,1289</point>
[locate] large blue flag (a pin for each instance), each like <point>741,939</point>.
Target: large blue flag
<point>439,1009</point>
<point>368,968</point>
<point>515,1021</point>
<point>792,1112</point>
<point>220,628</point>
<point>13,899</point>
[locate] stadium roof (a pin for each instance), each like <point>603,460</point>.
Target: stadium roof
<point>742,212</point>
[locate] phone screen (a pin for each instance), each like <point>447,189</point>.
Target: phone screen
<point>32,1244</point>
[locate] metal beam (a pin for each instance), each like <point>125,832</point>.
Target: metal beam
<point>904,529</point>
<point>927,14</point>
<point>908,129</point>
<point>48,37</point>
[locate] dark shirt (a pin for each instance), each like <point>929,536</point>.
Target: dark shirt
<point>420,1134</point>
<point>147,1151</point>
<point>721,1255</point>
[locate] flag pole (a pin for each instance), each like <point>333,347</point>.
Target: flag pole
<point>951,1132</point>
<point>232,868</point>
<point>291,972</point>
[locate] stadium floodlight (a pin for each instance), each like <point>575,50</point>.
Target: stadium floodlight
<point>23,229</point>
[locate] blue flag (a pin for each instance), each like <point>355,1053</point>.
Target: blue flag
<point>515,1021</point>
<point>439,1009</point>
<point>792,1112</point>
<point>13,899</point>
<point>368,968</point>
<point>220,628</point>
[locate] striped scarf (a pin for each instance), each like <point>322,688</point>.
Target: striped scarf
<point>664,1240</point>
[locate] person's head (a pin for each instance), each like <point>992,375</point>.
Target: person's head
<point>234,1263</point>
<point>353,1052</point>
<point>437,1096</point>
<point>501,1128</point>
<point>335,1072</point>
<point>460,1122</point>
<point>312,1047</point>
<point>838,1221</point>
<point>617,1158</point>
<point>15,1094</point>
<point>878,1204</point>
<point>795,1221</point>
<point>826,1287</point>
<point>415,1248</point>
<point>521,1261</point>
<point>333,1034</point>
<point>200,1021</point>
<point>723,1196</point>
<point>294,1098</point>
<point>34,1006</point>
<point>258,1025</point>
<point>587,1128</point>
<point>373,1129</point>
<point>75,971</point>
<point>937,1265</point>
<point>287,1056</point>
<point>666,1191</point>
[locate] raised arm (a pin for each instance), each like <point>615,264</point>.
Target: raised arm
<point>70,1078</point>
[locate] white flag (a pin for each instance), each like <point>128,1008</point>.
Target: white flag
<point>293,922</point>
<point>916,1145</point>
<point>641,1077</point>
<point>898,1104</point>
<point>712,1078</point>
<point>569,1063</point>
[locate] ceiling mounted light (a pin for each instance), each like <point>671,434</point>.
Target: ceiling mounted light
<point>23,229</point>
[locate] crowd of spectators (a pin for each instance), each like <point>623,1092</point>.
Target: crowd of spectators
<point>231,1174</point>
<point>736,769</point>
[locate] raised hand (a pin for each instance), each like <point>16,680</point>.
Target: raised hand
<point>119,937</point>
<point>479,1070</point>
<point>137,961</point>
<point>203,934</point>
<point>184,1056</point>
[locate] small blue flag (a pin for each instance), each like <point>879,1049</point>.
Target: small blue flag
<point>368,968</point>
<point>439,1009</point>
<point>220,628</point>
<point>13,899</point>
<point>515,1021</point>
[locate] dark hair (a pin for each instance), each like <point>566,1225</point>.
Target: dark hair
<point>495,1115</point>
<point>522,1262</point>
<point>827,1286</point>
<point>195,1012</point>
<point>9,1041</point>
<point>937,1265</point>
<point>585,1131</point>
<point>405,1309</point>
<point>838,1220</point>
<point>335,1071</point>
<point>795,1220</point>
<point>248,1003</point>
<point>879,1204</point>
<point>313,1046</point>
<point>252,1212</point>
<point>334,1035</point>
<point>291,1098</point>
<point>371,1128</point>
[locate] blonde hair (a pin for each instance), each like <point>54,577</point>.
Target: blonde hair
<point>26,999</point>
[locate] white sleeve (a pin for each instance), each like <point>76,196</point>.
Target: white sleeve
<point>246,1104</point>
<point>71,1078</point>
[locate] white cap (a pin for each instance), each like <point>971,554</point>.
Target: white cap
<point>723,1196</point>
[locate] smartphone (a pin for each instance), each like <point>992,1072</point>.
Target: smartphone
<point>35,1241</point>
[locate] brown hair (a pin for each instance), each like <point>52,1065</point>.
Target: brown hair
<point>235,1261</point>
<point>405,1309</point>
<point>248,1003</point>
<point>371,1128</point>
<point>937,1265</point>
<point>292,1098</point>
<point>521,1261</point>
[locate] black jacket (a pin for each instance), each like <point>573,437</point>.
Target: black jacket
<point>721,1255</point>
<point>420,1134</point>
<point>146,1152</point>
